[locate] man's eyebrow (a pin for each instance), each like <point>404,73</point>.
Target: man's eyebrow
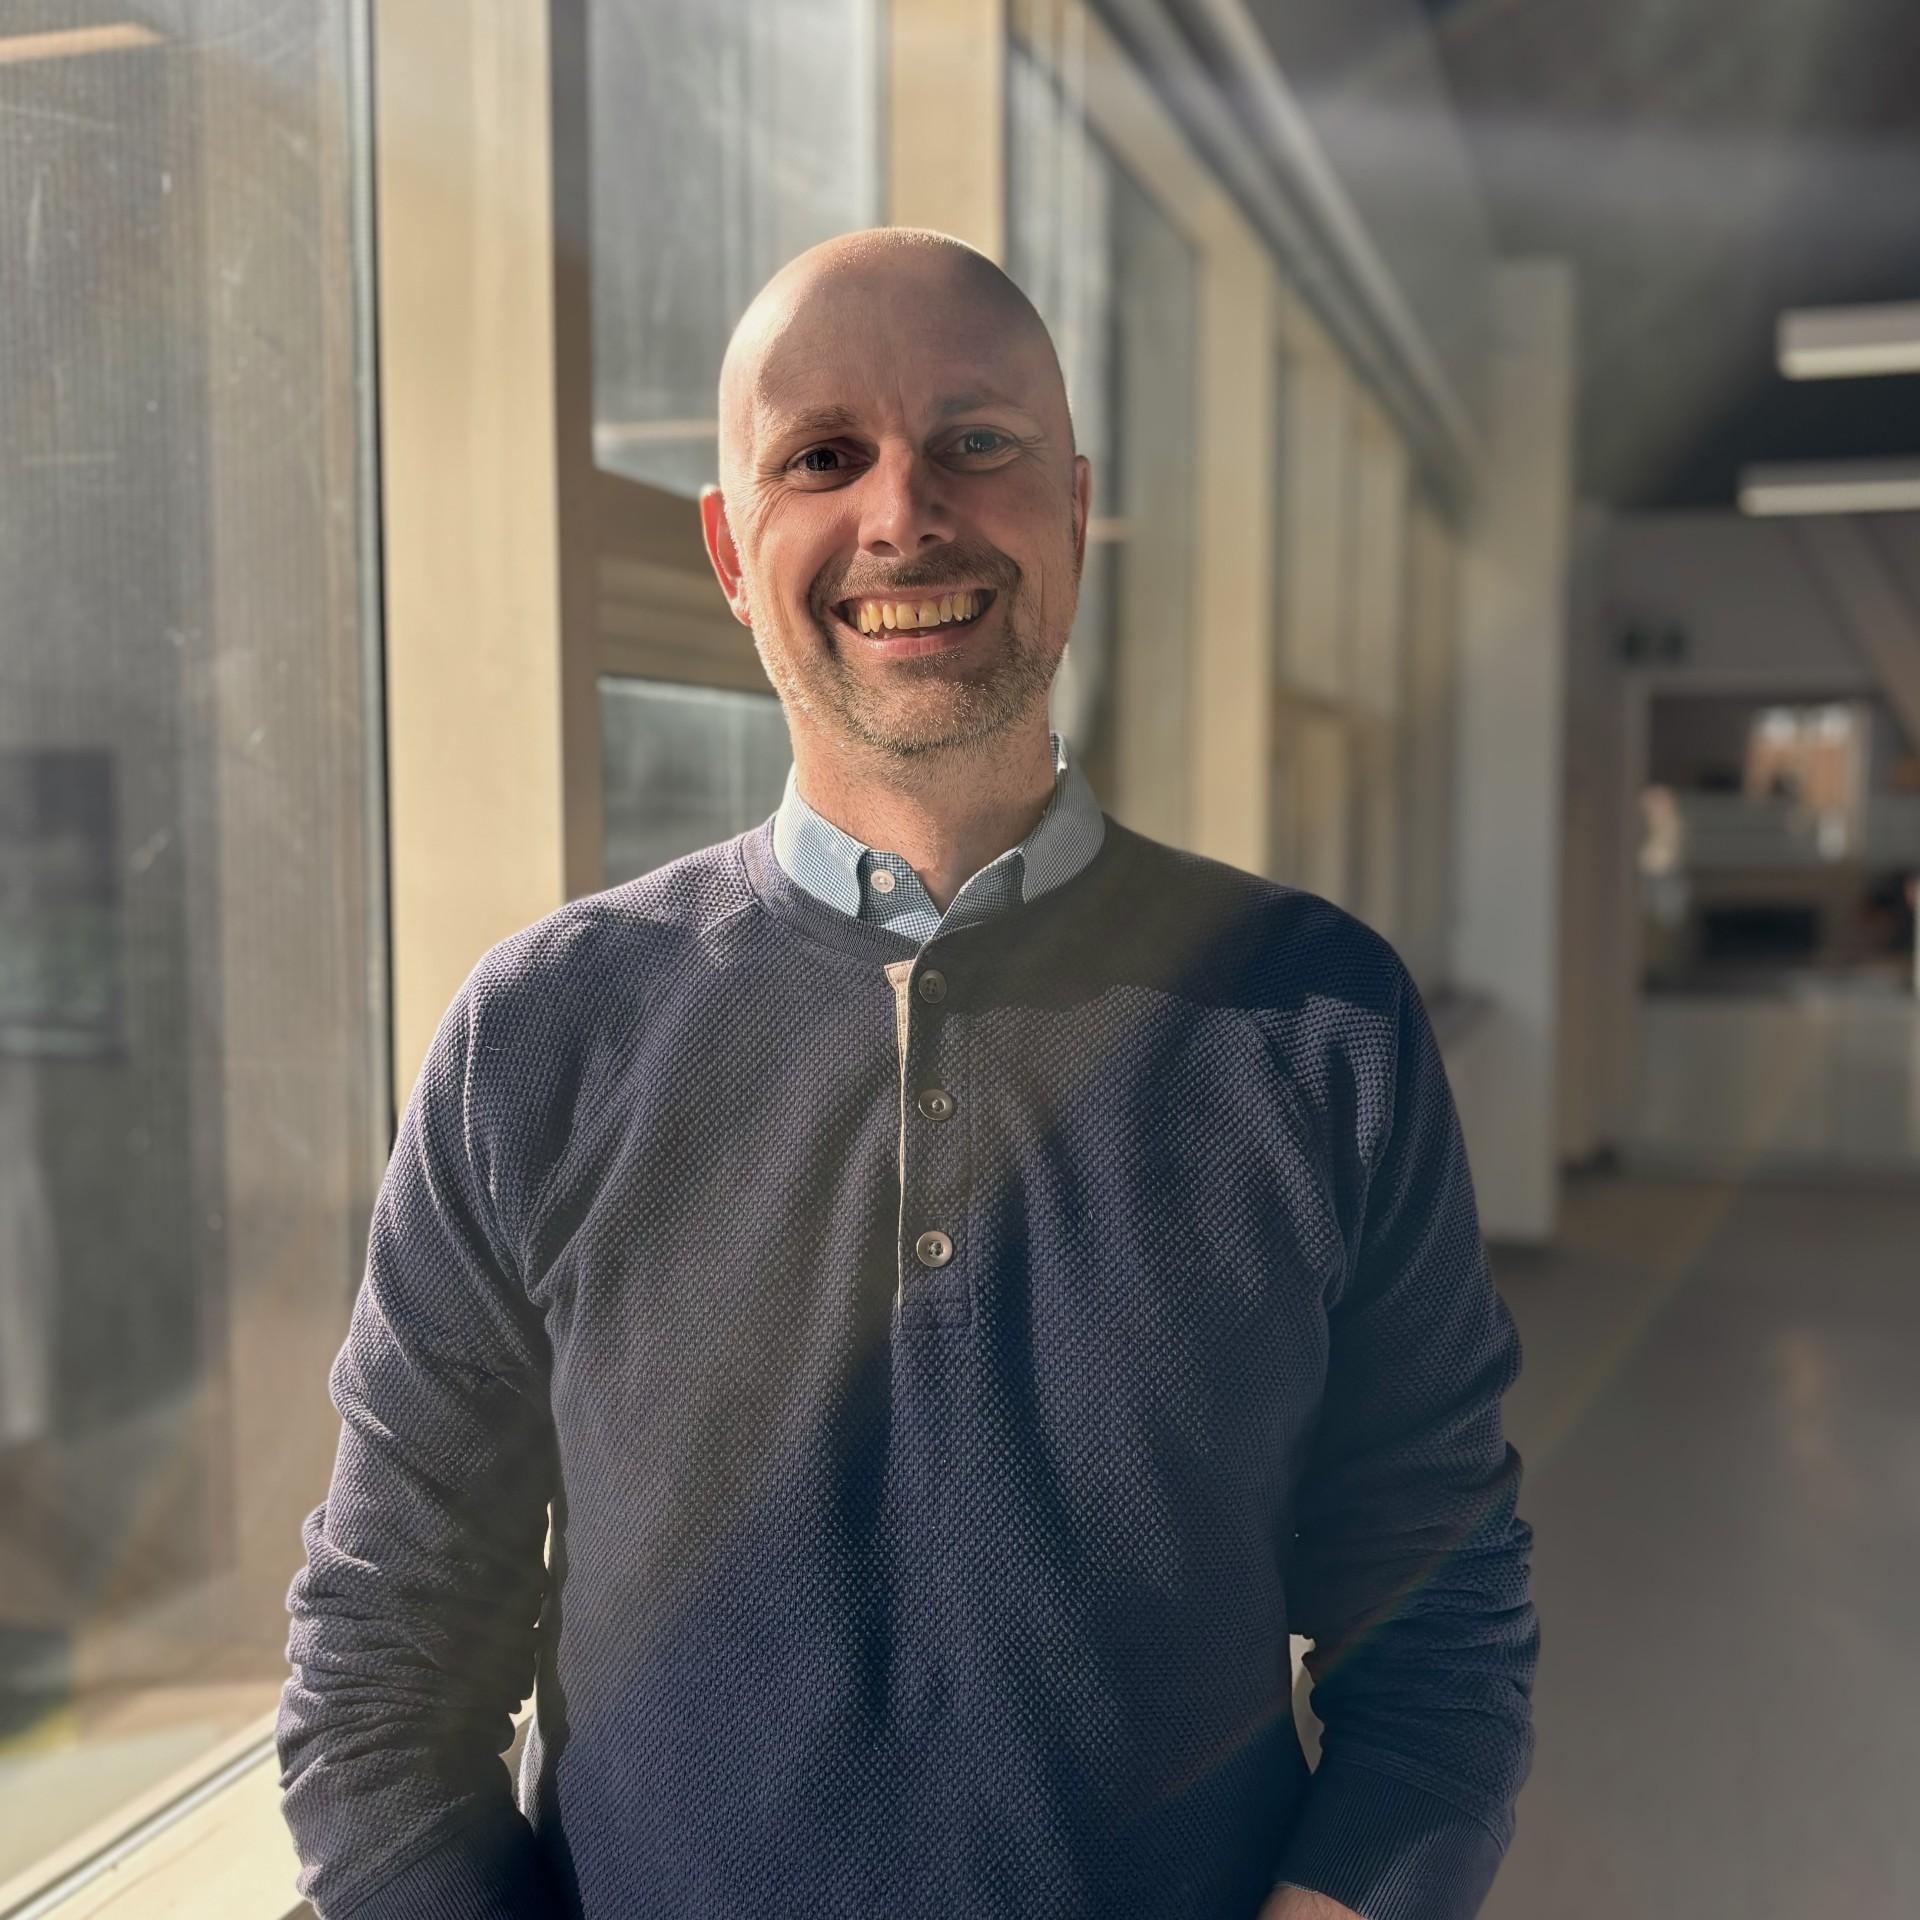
<point>813,420</point>
<point>977,400</point>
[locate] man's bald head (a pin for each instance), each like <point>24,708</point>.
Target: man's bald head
<point>901,514</point>
<point>857,274</point>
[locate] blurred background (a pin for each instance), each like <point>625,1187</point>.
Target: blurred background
<point>1506,425</point>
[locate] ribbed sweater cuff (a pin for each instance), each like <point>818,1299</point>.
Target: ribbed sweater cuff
<point>1388,1850</point>
<point>489,1869</point>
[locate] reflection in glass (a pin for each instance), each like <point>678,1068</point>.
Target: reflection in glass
<point>728,136</point>
<point>684,768</point>
<point>190,1108</point>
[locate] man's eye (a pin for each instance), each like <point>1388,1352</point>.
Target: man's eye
<point>980,440</point>
<point>818,460</point>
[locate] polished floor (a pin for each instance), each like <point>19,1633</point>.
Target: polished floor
<point>1720,1416</point>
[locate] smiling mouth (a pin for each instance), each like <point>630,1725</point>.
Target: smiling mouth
<point>916,614</point>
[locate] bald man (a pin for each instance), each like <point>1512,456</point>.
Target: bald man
<point>891,1321</point>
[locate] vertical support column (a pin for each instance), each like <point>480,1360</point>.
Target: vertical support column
<point>1510,697</point>
<point>1319,455</point>
<point>576,475</point>
<point>946,119</point>
<point>1433,597</point>
<point>1600,907</point>
<point>1230,808</point>
<point>473,629</point>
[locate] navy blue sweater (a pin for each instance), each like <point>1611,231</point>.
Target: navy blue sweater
<point>880,1584</point>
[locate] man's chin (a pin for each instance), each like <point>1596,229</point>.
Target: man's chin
<point>915,708</point>
<point>918,733</point>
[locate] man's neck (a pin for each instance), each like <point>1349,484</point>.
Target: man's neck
<point>946,815</point>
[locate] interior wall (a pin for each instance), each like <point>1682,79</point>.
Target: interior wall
<point>1506,927</point>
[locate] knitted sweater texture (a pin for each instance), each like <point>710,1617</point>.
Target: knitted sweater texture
<point>904,1504</point>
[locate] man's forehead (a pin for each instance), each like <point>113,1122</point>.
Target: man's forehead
<point>868,339</point>
<point>850,374</point>
<point>829,399</point>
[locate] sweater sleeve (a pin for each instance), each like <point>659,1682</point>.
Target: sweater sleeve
<point>1409,1570</point>
<point>414,1618</point>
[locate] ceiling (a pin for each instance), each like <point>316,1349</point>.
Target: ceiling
<point>1704,164</point>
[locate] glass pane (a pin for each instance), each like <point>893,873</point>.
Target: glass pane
<point>1116,283</point>
<point>1156,288</point>
<point>728,136</point>
<point>1060,247</point>
<point>684,768</point>
<point>1060,250</point>
<point>191,1084</point>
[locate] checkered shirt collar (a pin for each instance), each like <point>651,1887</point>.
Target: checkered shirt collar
<point>838,869</point>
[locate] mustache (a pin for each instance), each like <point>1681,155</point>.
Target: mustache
<point>952,566</point>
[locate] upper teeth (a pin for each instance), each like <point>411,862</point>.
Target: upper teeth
<point>871,615</point>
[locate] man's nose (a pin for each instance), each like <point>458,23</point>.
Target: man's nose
<point>903,507</point>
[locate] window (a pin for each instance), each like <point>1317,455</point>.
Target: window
<point>1060,250</point>
<point>683,768</point>
<point>192,1047</point>
<point>1117,284</point>
<point>728,136</point>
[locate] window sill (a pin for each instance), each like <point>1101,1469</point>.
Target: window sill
<point>210,1840</point>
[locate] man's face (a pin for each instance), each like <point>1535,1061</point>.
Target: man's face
<point>907,510</point>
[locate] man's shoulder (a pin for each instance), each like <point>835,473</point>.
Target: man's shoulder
<point>1241,935</point>
<point>588,969</point>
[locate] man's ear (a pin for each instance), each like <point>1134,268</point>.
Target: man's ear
<point>1082,509</point>
<point>723,553</point>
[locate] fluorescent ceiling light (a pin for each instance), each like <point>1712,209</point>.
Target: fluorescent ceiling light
<point>18,48</point>
<point>1836,486</point>
<point>1844,343</point>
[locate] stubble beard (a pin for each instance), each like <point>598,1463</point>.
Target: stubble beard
<point>923,708</point>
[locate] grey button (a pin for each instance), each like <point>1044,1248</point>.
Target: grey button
<point>881,879</point>
<point>933,986</point>
<point>936,1103</point>
<point>933,1249</point>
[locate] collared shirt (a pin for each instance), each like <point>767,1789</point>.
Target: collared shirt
<point>882,889</point>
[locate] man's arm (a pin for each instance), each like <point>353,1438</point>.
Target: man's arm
<point>414,1618</point>
<point>1409,1569</point>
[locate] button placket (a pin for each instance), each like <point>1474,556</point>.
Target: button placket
<point>932,1161</point>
